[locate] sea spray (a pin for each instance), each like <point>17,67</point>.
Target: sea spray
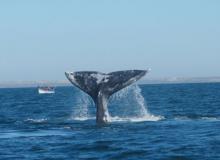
<point>81,108</point>
<point>131,106</point>
<point>126,105</point>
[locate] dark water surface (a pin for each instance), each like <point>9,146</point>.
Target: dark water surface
<point>185,125</point>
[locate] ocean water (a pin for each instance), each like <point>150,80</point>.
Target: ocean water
<point>167,121</point>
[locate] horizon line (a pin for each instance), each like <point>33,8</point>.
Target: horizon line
<point>57,83</point>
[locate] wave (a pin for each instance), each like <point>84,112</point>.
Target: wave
<point>148,118</point>
<point>211,118</point>
<point>136,119</point>
<point>130,119</point>
<point>42,120</point>
<point>123,119</point>
<point>197,118</point>
<point>39,133</point>
<point>82,118</point>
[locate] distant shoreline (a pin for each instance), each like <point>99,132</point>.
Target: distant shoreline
<point>32,84</point>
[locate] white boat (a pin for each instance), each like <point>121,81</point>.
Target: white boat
<point>46,90</point>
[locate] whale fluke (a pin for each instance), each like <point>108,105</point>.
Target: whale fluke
<point>101,86</point>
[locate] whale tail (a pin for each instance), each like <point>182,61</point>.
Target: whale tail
<point>101,86</point>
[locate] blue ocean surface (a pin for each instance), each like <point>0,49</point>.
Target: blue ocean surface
<point>158,122</point>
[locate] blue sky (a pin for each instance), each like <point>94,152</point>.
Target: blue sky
<point>39,40</point>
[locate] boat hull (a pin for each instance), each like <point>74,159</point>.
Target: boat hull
<point>41,91</point>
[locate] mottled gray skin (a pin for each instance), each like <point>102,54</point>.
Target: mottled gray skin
<point>101,86</point>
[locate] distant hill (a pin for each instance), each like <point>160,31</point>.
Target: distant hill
<point>181,80</point>
<point>32,84</point>
<point>143,81</point>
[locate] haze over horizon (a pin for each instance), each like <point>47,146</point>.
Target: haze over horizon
<point>40,40</point>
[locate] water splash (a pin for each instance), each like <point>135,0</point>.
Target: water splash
<point>125,105</point>
<point>81,108</point>
<point>134,107</point>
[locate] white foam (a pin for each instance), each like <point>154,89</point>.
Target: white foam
<point>82,118</point>
<point>42,120</point>
<point>199,118</point>
<point>211,118</point>
<point>136,119</point>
